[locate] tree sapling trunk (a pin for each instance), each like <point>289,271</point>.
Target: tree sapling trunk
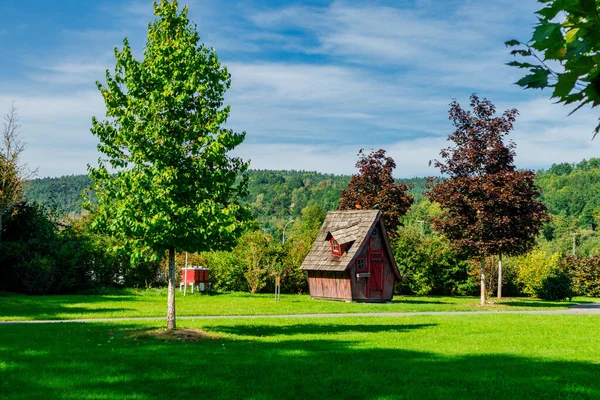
<point>482,281</point>
<point>500,276</point>
<point>171,296</point>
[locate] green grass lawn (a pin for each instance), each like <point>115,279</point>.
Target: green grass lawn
<point>418,357</point>
<point>152,303</point>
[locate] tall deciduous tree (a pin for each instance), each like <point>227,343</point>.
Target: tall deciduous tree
<point>564,52</point>
<point>489,207</point>
<point>12,172</point>
<point>374,188</point>
<point>167,181</point>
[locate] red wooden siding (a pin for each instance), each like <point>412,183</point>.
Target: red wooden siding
<point>362,288</point>
<point>329,285</point>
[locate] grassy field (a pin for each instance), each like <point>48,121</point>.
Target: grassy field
<point>417,357</point>
<point>152,303</point>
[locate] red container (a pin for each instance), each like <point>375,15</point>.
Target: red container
<point>194,275</point>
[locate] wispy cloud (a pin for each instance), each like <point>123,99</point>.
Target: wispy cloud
<point>312,85</point>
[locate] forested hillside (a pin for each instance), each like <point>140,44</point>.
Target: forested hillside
<point>570,191</point>
<point>573,191</point>
<point>273,195</point>
<point>62,193</point>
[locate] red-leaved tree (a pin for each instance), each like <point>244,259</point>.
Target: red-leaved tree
<point>374,188</point>
<point>489,207</point>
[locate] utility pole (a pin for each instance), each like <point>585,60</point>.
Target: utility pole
<point>285,226</point>
<point>421,222</point>
<point>574,234</point>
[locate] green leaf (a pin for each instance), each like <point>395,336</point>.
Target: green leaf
<point>596,130</point>
<point>577,49</point>
<point>571,35</point>
<point>512,42</point>
<point>524,53</point>
<point>545,30</point>
<point>549,12</point>
<point>590,7</point>
<point>537,80</point>
<point>564,85</point>
<point>520,64</point>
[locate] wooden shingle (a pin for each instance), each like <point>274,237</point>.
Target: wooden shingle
<point>352,227</point>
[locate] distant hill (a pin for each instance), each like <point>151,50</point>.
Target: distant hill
<point>63,193</point>
<point>273,195</point>
<point>573,190</point>
<point>570,190</point>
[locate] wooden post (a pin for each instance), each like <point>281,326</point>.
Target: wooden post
<point>482,302</point>
<point>171,291</point>
<point>500,277</point>
<point>277,288</point>
<point>185,276</point>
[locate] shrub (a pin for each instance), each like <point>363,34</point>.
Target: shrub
<point>556,285</point>
<point>533,268</point>
<point>40,255</point>
<point>428,264</point>
<point>226,271</point>
<point>585,273</point>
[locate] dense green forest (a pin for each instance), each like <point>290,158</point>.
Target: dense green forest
<point>426,259</point>
<point>573,191</point>
<point>274,196</point>
<point>568,190</point>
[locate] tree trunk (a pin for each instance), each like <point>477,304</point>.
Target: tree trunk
<point>482,281</point>
<point>500,276</point>
<point>171,296</point>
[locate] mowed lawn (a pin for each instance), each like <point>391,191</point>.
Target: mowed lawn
<point>417,357</point>
<point>153,303</point>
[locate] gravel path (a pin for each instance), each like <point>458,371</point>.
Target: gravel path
<point>580,309</point>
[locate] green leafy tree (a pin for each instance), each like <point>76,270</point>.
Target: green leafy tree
<point>428,263</point>
<point>258,252</point>
<point>166,181</point>
<point>566,35</point>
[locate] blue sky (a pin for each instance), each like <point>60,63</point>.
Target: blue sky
<point>312,81</point>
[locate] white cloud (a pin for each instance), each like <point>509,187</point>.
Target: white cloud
<point>78,72</point>
<point>313,85</point>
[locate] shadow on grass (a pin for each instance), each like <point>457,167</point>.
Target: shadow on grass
<point>104,361</point>
<point>313,329</point>
<point>51,306</point>
<point>541,303</point>
<point>417,301</point>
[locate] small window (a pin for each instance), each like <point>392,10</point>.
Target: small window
<point>335,247</point>
<point>374,232</point>
<point>360,264</point>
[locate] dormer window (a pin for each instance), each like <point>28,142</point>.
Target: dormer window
<point>335,247</point>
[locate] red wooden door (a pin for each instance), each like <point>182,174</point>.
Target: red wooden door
<point>376,276</point>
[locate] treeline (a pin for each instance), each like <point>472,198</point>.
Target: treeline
<point>42,252</point>
<point>273,196</point>
<point>570,191</point>
<point>428,262</point>
<point>573,191</point>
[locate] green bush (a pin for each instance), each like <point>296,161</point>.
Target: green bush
<point>428,264</point>
<point>39,255</point>
<point>556,285</point>
<point>585,273</point>
<point>532,268</point>
<point>226,271</point>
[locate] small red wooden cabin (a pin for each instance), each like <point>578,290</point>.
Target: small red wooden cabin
<point>351,259</point>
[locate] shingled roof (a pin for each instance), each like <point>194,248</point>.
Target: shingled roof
<point>354,227</point>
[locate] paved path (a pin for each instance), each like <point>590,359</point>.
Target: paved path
<point>580,309</point>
